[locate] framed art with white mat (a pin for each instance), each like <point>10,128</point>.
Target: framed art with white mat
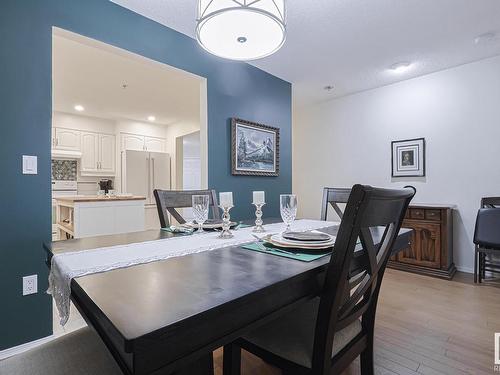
<point>408,158</point>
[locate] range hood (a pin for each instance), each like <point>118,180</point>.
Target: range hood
<point>65,154</point>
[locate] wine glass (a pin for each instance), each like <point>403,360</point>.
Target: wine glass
<point>288,209</point>
<point>200,210</point>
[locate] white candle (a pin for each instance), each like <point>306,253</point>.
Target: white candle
<point>226,199</point>
<point>259,197</point>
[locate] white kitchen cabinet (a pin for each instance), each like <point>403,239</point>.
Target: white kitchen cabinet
<point>98,154</point>
<point>153,144</point>
<point>137,142</point>
<point>66,139</point>
<point>107,153</point>
<point>132,142</point>
<point>90,153</point>
<point>96,216</point>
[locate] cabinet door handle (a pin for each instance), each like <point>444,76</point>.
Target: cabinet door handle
<point>57,141</point>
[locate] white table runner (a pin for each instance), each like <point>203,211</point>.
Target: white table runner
<point>67,266</point>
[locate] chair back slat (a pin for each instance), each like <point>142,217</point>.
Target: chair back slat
<point>332,197</point>
<point>167,201</point>
<point>344,297</point>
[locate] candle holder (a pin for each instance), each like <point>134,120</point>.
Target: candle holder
<point>259,228</point>
<point>226,223</point>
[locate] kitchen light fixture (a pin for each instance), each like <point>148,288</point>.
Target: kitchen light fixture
<point>400,67</point>
<point>151,118</point>
<point>241,29</point>
<point>328,88</point>
<point>79,108</point>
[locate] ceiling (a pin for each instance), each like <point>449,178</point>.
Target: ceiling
<point>92,74</point>
<point>350,44</point>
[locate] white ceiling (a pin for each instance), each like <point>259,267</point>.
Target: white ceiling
<point>92,74</point>
<point>350,43</point>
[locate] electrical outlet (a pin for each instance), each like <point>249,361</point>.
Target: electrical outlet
<point>30,284</point>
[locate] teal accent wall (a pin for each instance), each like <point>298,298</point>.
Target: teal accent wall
<point>234,90</point>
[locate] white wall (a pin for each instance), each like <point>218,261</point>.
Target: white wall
<point>191,161</point>
<point>173,132</point>
<point>348,140</point>
<point>85,123</point>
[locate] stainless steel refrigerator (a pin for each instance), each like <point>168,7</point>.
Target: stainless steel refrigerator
<point>142,172</point>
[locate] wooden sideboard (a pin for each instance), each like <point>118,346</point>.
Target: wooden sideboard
<point>431,245</point>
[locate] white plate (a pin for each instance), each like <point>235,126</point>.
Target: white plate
<point>278,240</point>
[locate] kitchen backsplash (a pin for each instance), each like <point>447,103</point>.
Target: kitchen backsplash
<point>65,170</point>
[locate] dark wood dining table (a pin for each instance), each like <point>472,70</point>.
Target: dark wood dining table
<point>169,316</point>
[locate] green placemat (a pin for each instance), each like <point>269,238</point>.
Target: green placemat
<point>303,257</point>
<point>241,225</point>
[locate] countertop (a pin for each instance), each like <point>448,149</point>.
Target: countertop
<point>96,198</point>
<point>432,205</point>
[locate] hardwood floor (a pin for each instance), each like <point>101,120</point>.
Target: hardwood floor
<point>425,326</point>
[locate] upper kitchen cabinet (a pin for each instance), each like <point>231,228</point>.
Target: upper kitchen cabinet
<point>66,139</point>
<point>98,154</point>
<point>154,144</point>
<point>132,142</point>
<point>107,153</point>
<point>137,142</point>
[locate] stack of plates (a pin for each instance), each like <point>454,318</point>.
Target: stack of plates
<point>312,240</point>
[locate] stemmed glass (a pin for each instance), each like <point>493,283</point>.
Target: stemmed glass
<point>200,210</point>
<point>288,209</point>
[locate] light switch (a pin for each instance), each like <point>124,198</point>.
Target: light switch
<point>30,164</point>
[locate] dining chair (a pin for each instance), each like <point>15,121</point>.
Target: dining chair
<point>77,353</point>
<point>487,238</point>
<point>325,334</point>
<point>332,197</point>
<point>168,200</point>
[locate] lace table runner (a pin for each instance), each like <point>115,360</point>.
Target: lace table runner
<point>67,266</point>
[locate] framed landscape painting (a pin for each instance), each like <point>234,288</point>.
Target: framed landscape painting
<point>408,158</point>
<point>254,148</point>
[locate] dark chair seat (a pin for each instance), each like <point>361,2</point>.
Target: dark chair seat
<point>292,337</point>
<point>78,353</point>
<point>487,238</point>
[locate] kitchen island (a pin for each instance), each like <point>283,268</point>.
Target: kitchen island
<point>90,215</point>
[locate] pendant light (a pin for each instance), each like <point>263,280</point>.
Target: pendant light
<point>241,29</point>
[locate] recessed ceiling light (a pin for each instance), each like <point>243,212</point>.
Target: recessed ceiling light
<point>79,108</point>
<point>486,38</point>
<point>400,67</point>
<point>151,118</point>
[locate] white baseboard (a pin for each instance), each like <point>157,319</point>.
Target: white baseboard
<point>24,347</point>
<point>465,269</point>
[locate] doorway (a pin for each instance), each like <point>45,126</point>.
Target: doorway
<point>110,107</point>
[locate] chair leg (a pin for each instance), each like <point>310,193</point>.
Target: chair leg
<point>231,360</point>
<point>367,364</point>
<point>480,268</point>
<point>475,266</point>
<point>484,267</point>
